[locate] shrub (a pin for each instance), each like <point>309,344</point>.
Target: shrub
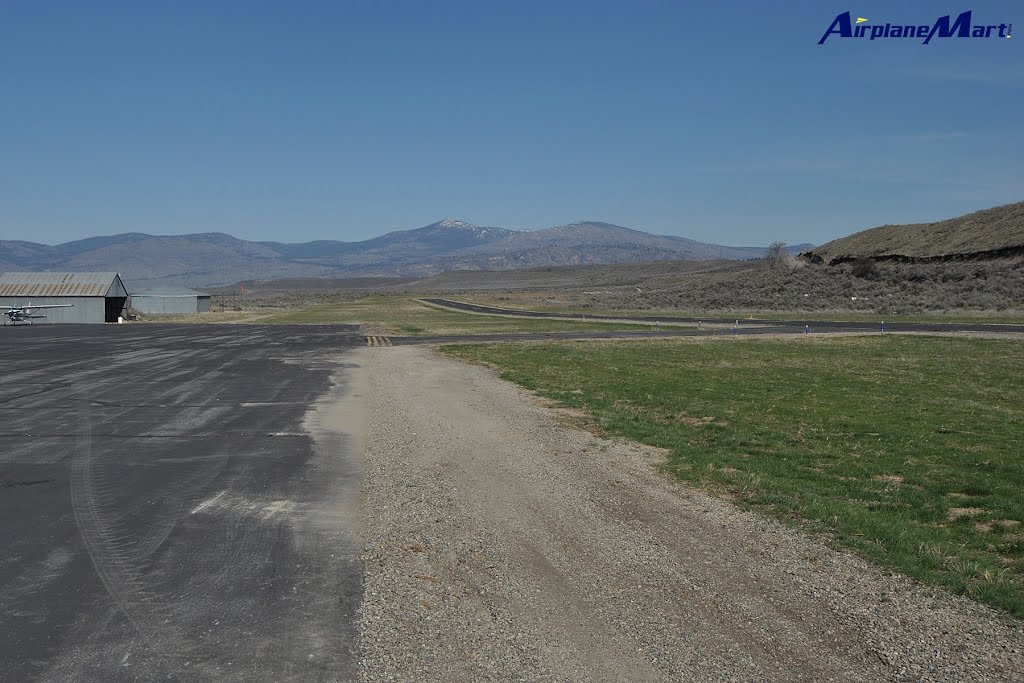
<point>864,267</point>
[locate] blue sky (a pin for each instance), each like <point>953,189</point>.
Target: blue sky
<point>293,121</point>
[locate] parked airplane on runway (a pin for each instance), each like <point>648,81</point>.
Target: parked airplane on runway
<point>21,314</point>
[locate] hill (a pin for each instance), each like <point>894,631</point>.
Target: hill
<point>214,259</point>
<point>983,234</point>
<point>989,287</point>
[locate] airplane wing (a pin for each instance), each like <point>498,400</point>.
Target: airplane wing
<point>34,306</point>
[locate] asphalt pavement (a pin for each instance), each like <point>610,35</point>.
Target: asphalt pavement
<point>172,507</point>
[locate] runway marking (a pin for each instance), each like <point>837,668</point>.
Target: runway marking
<point>374,340</point>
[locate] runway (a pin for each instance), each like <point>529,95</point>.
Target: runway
<point>179,502</point>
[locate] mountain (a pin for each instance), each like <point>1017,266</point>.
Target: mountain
<point>211,259</point>
<point>998,231</point>
<point>588,242</point>
<point>437,238</point>
<point>151,260</point>
<point>456,245</point>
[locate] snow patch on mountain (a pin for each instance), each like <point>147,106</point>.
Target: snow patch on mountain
<point>456,224</point>
<point>476,231</point>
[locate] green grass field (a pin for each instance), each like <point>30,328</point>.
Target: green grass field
<point>905,449</point>
<point>404,316</point>
<point>538,304</point>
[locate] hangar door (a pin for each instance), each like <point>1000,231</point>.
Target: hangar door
<point>116,300</point>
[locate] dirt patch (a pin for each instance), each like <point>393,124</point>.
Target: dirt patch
<point>894,479</point>
<point>562,556</point>
<point>694,421</point>
<point>570,417</point>
<point>659,454</point>
<point>954,514</point>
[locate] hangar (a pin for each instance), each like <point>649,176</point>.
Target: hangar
<point>178,300</point>
<point>94,297</point>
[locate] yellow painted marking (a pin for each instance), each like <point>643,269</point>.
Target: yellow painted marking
<point>861,20</point>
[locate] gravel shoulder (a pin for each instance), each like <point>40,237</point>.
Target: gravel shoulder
<point>504,545</point>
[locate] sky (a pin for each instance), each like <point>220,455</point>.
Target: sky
<point>724,122</point>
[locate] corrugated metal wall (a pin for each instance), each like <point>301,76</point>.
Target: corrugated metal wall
<point>166,305</point>
<point>85,309</point>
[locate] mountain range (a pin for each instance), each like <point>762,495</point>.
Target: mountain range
<point>212,259</point>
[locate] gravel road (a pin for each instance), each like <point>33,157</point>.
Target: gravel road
<point>503,545</point>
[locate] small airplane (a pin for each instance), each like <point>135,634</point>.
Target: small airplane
<point>21,314</point>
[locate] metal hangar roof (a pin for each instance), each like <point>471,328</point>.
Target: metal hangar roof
<point>61,284</point>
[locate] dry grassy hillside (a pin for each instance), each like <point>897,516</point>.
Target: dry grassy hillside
<point>991,286</point>
<point>995,285</point>
<point>995,231</point>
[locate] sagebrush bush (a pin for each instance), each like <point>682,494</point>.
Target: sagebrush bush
<point>892,288</point>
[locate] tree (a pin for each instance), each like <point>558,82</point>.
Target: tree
<point>776,254</point>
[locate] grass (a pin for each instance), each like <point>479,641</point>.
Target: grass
<point>542,301</point>
<point>404,316</point>
<point>905,449</point>
<point>208,317</point>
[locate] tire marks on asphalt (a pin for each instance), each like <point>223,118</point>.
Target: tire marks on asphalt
<point>261,582</point>
<point>108,543</point>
